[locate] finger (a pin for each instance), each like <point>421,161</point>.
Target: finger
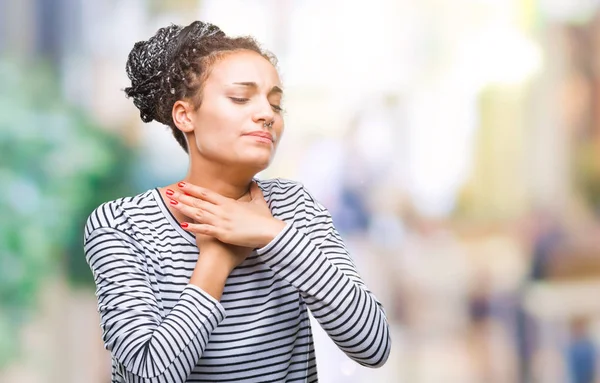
<point>202,193</point>
<point>200,228</point>
<point>196,203</point>
<point>194,213</point>
<point>255,193</point>
<point>191,201</point>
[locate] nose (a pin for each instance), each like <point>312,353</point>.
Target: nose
<point>264,113</point>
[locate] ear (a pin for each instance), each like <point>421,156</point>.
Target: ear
<point>182,116</point>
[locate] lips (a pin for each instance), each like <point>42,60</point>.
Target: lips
<point>265,135</point>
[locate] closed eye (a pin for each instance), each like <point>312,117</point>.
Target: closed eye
<point>239,100</point>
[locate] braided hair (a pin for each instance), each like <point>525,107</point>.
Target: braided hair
<point>173,65</point>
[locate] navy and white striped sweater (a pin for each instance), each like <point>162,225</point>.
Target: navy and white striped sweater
<point>160,328</point>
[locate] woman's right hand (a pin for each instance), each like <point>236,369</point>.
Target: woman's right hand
<point>215,262</point>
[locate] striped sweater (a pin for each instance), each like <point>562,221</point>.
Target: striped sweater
<point>160,328</point>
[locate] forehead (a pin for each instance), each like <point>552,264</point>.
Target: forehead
<point>244,66</point>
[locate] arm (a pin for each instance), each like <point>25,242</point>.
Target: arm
<point>319,266</point>
<point>151,348</point>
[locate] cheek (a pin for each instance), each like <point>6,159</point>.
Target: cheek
<point>279,132</point>
<point>217,127</point>
<point>213,140</point>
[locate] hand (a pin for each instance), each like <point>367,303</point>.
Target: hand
<point>215,253</point>
<point>247,224</point>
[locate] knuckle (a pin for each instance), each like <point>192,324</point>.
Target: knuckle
<point>227,227</point>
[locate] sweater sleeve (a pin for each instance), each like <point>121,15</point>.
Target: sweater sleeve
<point>315,260</point>
<point>151,348</point>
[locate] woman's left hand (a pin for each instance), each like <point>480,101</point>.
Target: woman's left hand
<point>241,223</point>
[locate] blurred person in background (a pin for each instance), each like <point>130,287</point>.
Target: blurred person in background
<point>581,353</point>
<point>210,278</point>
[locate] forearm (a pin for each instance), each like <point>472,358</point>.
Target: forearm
<point>334,292</point>
<point>210,275</point>
<point>154,351</point>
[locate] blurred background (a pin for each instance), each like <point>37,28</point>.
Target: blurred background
<point>456,144</point>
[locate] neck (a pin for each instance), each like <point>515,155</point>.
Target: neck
<point>219,178</point>
<point>223,179</point>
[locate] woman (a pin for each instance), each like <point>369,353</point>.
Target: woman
<point>209,279</point>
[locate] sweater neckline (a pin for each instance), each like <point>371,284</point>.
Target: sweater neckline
<point>191,238</point>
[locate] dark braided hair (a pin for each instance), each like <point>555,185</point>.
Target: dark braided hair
<point>173,65</point>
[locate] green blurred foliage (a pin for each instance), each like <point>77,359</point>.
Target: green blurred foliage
<point>56,166</point>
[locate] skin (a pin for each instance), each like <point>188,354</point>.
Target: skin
<point>217,200</point>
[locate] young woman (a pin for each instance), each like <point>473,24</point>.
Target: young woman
<point>210,279</point>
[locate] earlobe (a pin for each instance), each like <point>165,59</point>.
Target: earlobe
<point>182,116</point>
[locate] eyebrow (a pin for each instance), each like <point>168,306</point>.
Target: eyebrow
<point>254,85</point>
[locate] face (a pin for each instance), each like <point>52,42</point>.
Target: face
<point>239,120</point>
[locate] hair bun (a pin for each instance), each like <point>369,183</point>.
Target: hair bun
<point>145,64</point>
<point>150,60</point>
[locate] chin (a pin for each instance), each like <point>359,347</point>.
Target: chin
<point>260,162</point>
<point>257,163</point>
<point>252,159</point>
<point>258,166</point>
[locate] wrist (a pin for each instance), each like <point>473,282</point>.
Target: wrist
<point>271,231</point>
<point>210,274</point>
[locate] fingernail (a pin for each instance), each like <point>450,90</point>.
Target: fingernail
<point>169,192</point>
<point>184,224</point>
<point>173,202</point>
<point>181,184</point>
<point>186,193</point>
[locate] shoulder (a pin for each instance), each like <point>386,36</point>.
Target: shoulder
<point>112,238</point>
<point>288,195</point>
<point>279,186</point>
<point>116,214</point>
